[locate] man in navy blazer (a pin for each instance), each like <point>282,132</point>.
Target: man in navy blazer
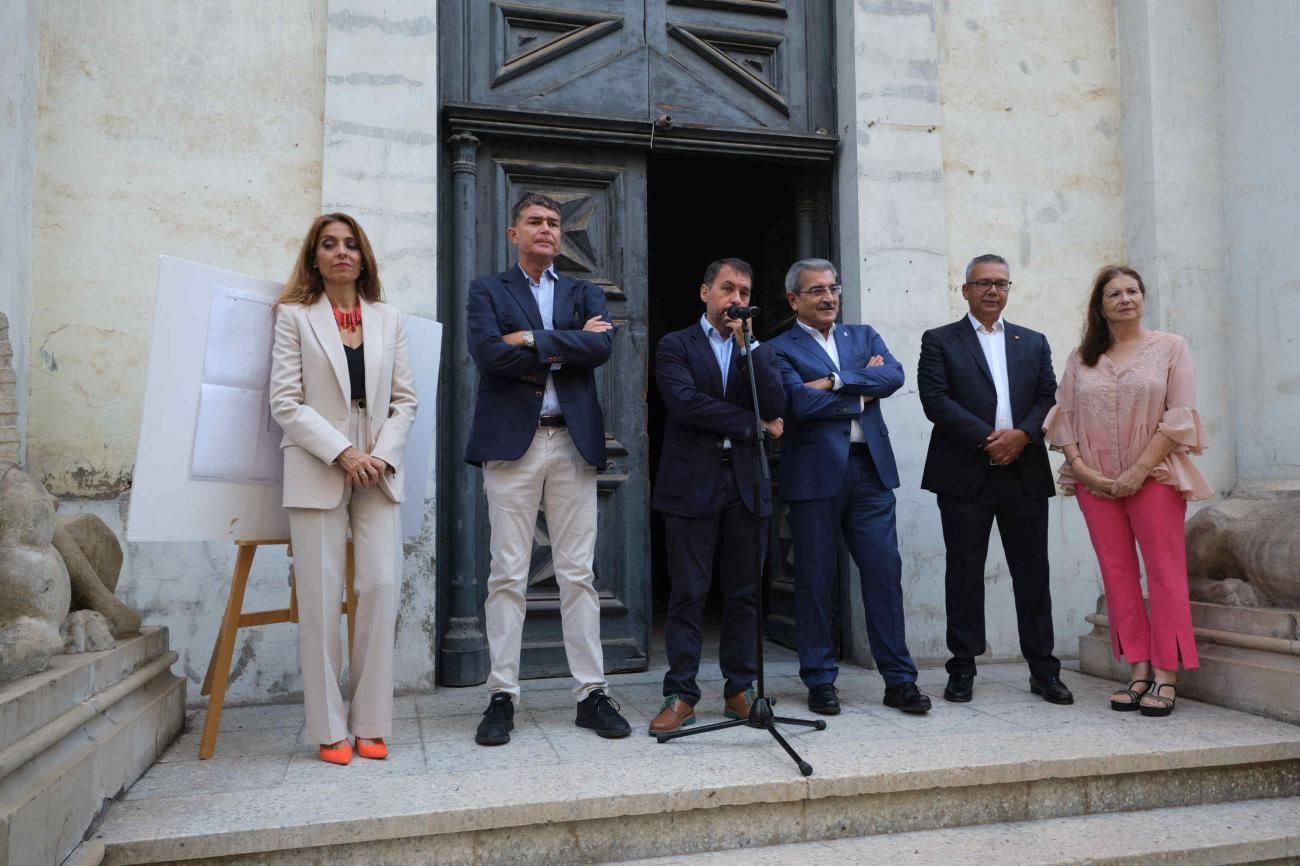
<point>538,432</point>
<point>838,476</point>
<point>705,490</point>
<point>987,385</point>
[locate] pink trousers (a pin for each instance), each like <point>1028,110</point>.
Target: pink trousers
<point>1154,518</point>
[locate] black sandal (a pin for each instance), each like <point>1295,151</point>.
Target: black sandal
<point>1134,697</point>
<point>1166,705</point>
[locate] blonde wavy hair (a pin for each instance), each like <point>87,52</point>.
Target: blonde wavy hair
<point>306,284</point>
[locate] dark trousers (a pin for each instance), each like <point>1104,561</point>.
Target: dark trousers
<point>863,510</point>
<point>692,541</point>
<point>1022,523</point>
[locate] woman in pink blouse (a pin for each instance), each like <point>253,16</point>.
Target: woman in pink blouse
<point>1126,418</point>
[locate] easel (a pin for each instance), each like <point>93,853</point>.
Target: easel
<point>218,675</point>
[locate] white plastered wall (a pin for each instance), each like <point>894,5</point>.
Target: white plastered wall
<point>967,128</point>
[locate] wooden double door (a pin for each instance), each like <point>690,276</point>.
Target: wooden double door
<point>577,100</point>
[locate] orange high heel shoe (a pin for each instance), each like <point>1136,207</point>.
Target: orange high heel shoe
<point>373,748</point>
<point>341,755</point>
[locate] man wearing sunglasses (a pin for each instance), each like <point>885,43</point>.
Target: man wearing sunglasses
<point>987,385</point>
<point>838,477</point>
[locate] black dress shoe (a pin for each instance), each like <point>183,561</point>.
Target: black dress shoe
<point>907,697</point>
<point>822,699</point>
<point>599,712</point>
<point>1052,689</point>
<point>498,721</point>
<point>960,688</point>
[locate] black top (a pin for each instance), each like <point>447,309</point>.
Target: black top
<point>356,371</point>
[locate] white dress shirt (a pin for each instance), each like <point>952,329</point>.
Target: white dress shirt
<point>544,292</point>
<point>828,346</point>
<point>993,342</point>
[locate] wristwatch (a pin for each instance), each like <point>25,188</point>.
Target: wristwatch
<point>529,342</point>
<point>835,381</point>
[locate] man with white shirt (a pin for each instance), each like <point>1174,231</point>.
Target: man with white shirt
<point>838,476</point>
<point>987,385</point>
<point>537,338</point>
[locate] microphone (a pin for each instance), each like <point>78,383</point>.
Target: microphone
<point>739,312</point>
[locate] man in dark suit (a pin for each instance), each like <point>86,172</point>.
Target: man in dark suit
<point>705,490</point>
<point>538,432</point>
<point>838,476</point>
<point>987,385</point>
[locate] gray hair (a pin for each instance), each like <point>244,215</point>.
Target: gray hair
<point>987,258</point>
<point>799,268</point>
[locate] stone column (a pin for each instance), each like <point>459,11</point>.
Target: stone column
<point>463,657</point>
<point>380,164</point>
<point>1172,138</point>
<point>18,76</point>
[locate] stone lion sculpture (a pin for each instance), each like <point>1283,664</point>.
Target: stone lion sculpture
<point>51,564</point>
<point>1246,552</point>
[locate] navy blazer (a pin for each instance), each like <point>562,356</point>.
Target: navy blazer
<point>512,378</point>
<point>700,415</point>
<point>815,448</point>
<point>957,394</point>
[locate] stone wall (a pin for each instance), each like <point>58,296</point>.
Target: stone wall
<point>9,441</point>
<point>977,127</point>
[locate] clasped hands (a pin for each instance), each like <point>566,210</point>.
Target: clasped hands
<point>1130,481</point>
<point>361,470</point>
<point>1003,446</point>
<point>595,324</point>
<point>826,383</point>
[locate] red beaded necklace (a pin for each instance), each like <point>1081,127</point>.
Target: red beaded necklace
<point>349,321</point>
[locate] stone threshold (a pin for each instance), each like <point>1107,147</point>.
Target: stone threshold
<point>1006,757</point>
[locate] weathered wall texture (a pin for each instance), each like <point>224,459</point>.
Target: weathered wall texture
<point>18,77</point>
<point>1262,192</point>
<point>187,129</point>
<point>381,165</point>
<point>974,127</point>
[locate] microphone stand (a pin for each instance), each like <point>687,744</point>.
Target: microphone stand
<point>760,712</point>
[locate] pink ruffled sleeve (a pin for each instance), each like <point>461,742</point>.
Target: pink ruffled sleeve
<point>1180,421</point>
<point>1058,426</point>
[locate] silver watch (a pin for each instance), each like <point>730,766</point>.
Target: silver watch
<point>529,341</point>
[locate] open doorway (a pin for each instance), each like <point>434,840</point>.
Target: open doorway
<point>701,209</point>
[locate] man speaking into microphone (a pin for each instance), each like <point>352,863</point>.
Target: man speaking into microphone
<point>705,488</point>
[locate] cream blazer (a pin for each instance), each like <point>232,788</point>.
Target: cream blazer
<point>309,398</point>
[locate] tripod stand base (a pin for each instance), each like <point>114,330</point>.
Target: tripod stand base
<point>760,716</point>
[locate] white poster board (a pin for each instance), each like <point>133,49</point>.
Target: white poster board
<point>209,362</point>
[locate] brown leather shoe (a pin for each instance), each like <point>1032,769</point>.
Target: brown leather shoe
<point>673,716</point>
<point>737,706</point>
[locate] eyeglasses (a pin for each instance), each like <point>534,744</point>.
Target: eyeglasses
<point>985,285</point>
<point>832,291</point>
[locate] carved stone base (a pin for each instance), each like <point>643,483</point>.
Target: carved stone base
<point>1250,659</point>
<point>75,736</point>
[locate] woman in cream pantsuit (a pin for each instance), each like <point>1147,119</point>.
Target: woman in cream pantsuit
<point>341,389</point>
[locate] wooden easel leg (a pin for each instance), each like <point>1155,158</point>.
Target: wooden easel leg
<point>218,673</point>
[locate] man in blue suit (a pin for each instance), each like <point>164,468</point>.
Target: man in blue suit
<point>987,385</point>
<point>838,477</point>
<point>538,432</point>
<point>705,490</point>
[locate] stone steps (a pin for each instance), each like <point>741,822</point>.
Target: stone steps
<point>1249,831</point>
<point>1005,758</point>
<point>75,736</point>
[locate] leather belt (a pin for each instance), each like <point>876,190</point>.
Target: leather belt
<point>726,456</point>
<point>551,421</point>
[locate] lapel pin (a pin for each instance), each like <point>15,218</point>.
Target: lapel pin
<point>1015,336</point>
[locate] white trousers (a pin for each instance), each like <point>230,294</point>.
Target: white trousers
<point>319,561</point>
<point>551,475</point>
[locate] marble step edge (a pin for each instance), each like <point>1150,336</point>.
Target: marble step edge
<point>483,804</point>
<point>29,703</point>
<point>1276,622</point>
<point>1246,831</point>
<point>49,803</point>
